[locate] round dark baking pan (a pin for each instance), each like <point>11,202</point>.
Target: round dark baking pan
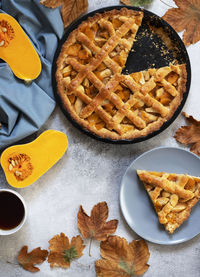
<point>157,44</point>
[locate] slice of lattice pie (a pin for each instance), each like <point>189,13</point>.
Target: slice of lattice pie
<point>173,196</point>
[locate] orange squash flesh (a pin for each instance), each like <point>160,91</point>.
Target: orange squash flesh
<point>17,50</point>
<point>24,164</point>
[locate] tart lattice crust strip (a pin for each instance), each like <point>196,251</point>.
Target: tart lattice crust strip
<point>173,196</point>
<point>142,112</point>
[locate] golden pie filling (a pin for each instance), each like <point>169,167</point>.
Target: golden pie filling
<point>98,96</point>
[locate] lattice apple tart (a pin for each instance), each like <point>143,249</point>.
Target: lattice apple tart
<point>95,93</point>
<point>173,196</point>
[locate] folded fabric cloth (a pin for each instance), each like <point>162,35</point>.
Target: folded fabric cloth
<point>25,108</point>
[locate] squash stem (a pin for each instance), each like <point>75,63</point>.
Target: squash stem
<point>28,82</point>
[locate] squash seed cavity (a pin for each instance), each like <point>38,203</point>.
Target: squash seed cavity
<point>6,33</point>
<point>20,165</point>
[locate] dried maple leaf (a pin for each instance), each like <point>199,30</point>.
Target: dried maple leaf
<point>185,17</point>
<point>136,2</point>
<point>121,258</point>
<point>62,251</point>
<point>70,10</point>
<point>28,260</point>
<point>190,134</point>
<point>95,225</point>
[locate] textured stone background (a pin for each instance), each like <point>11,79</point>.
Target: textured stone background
<point>90,172</point>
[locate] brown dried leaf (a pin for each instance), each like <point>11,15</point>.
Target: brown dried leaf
<point>95,225</point>
<point>62,251</point>
<point>190,134</point>
<point>136,2</point>
<point>126,2</point>
<point>28,260</point>
<point>71,9</point>
<point>185,17</point>
<point>51,3</point>
<point>121,258</point>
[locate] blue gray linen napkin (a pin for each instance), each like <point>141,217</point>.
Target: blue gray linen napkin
<point>25,108</point>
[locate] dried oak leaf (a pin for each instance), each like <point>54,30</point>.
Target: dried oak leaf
<point>121,258</point>
<point>136,2</point>
<point>62,251</point>
<point>190,134</point>
<point>28,260</point>
<point>71,9</point>
<point>95,225</point>
<point>185,17</point>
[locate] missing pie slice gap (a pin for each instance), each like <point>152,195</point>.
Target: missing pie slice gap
<point>173,195</point>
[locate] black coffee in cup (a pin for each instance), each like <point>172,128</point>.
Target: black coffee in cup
<point>11,210</point>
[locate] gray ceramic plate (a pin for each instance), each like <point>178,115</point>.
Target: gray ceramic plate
<point>136,206</point>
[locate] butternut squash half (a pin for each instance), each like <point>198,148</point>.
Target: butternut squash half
<point>24,164</point>
<point>17,50</point>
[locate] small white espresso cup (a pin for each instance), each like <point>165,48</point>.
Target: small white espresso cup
<point>18,197</point>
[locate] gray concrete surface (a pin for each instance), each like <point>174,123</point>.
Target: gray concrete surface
<point>88,173</point>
